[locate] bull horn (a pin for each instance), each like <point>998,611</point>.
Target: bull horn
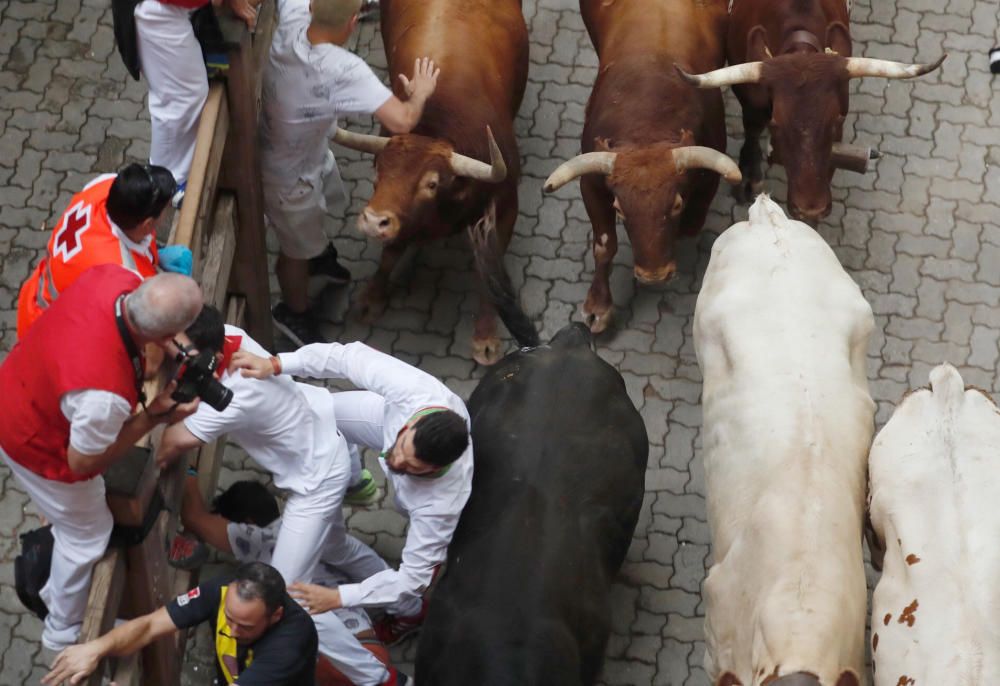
<point>748,72</point>
<point>700,157</point>
<point>866,66</point>
<point>494,172</point>
<point>360,141</point>
<point>587,163</point>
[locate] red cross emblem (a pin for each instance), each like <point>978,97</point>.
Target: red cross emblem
<point>68,241</point>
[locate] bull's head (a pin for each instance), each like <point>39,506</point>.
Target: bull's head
<point>415,176</point>
<point>808,96</point>
<point>651,186</point>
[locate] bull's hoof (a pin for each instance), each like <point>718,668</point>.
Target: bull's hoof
<point>486,351</point>
<point>597,319</point>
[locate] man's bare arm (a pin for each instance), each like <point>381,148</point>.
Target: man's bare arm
<point>77,662</point>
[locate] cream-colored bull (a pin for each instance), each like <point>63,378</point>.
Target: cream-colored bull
<point>781,333</point>
<point>935,482</point>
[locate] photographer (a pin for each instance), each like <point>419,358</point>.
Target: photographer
<point>113,220</point>
<point>67,393</point>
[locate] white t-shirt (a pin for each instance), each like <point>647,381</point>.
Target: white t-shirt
<point>251,543</point>
<point>95,419</point>
<point>433,504</point>
<point>305,88</point>
<point>288,428</point>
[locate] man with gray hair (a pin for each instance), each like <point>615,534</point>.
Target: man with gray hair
<point>67,394</point>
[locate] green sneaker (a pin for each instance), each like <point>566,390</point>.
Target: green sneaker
<point>364,492</point>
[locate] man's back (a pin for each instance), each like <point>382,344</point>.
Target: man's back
<point>287,427</point>
<point>305,88</point>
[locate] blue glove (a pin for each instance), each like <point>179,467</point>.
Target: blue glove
<point>176,258</point>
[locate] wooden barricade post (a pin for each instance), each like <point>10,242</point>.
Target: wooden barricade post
<point>222,223</point>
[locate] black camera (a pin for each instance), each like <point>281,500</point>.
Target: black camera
<point>196,379</point>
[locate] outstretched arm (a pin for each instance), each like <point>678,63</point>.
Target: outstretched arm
<point>77,662</point>
<point>399,383</point>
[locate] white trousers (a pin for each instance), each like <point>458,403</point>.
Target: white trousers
<point>346,653</point>
<point>170,59</point>
<point>81,527</point>
<point>297,211</point>
<point>309,522</point>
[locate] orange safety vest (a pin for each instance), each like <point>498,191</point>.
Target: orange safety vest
<point>84,237</point>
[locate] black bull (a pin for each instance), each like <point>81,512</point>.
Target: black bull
<point>560,455</point>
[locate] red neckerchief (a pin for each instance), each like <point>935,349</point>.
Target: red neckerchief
<point>229,348</point>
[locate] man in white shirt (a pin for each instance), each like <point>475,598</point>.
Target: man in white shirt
<point>244,521</point>
<point>309,81</point>
<point>289,429</point>
<point>421,427</point>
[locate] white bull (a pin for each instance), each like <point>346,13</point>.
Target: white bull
<point>935,480</point>
<point>781,333</point>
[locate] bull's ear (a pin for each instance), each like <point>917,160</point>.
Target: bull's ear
<point>848,678</point>
<point>757,50</point>
<point>838,39</point>
<point>602,144</point>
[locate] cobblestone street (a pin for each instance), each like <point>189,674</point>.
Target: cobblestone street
<point>920,234</point>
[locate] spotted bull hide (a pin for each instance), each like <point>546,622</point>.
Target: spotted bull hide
<point>781,333</point>
<point>935,478</point>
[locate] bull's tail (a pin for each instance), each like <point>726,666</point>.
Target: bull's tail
<point>496,280</point>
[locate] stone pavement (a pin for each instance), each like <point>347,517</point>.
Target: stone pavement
<point>921,235</point>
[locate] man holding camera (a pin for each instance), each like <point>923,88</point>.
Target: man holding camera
<point>67,393</point>
<point>288,428</point>
<point>113,220</point>
<point>421,427</point>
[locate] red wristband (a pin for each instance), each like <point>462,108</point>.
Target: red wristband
<point>276,364</point>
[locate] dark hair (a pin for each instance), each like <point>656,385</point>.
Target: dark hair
<point>440,438</point>
<point>208,330</point>
<point>259,581</point>
<point>247,501</point>
<point>138,193</point>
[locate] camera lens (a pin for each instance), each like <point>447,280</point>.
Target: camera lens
<point>215,394</point>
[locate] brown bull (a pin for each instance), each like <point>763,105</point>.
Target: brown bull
<point>433,182</point>
<point>653,146</point>
<point>791,65</point>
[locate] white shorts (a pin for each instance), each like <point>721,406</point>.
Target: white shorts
<point>297,212</point>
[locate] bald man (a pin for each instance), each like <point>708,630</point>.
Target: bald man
<point>68,390</point>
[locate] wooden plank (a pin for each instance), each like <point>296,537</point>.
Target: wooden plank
<point>251,253</point>
<point>213,128</point>
<point>102,604</point>
<point>128,671</point>
<point>148,583</point>
<point>220,251</point>
<point>267,21</point>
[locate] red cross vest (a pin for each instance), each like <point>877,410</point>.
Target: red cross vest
<point>74,346</point>
<point>83,238</point>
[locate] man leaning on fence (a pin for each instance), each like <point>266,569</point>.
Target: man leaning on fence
<point>67,393</point>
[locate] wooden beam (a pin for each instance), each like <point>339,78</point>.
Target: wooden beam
<point>251,253</point>
<point>213,129</point>
<point>149,586</point>
<point>220,251</point>
<point>102,604</point>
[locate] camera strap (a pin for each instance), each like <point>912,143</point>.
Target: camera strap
<point>131,348</point>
